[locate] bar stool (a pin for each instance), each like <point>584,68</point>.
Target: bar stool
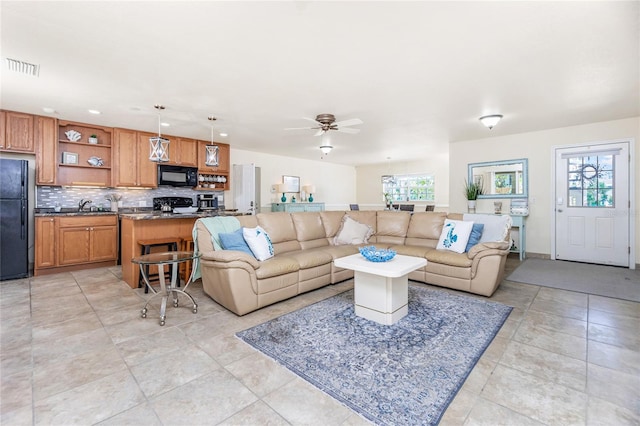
<point>171,244</point>
<point>185,267</point>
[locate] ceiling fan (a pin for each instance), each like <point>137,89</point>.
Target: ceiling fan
<point>326,122</point>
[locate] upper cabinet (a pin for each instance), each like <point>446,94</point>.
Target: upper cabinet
<point>17,132</point>
<point>183,152</point>
<point>84,154</point>
<point>217,153</point>
<point>132,167</point>
<point>46,144</point>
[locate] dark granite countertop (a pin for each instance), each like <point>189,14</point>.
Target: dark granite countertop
<point>134,213</point>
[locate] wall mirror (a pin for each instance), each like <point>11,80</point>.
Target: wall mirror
<point>501,179</point>
<point>292,183</point>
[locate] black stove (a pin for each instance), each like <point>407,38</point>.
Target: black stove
<point>158,202</point>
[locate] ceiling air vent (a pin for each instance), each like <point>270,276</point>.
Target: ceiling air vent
<point>23,67</point>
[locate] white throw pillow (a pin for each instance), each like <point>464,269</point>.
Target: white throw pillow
<point>455,235</point>
<point>259,242</point>
<point>352,232</point>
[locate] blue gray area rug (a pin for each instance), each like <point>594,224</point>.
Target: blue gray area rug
<point>403,374</point>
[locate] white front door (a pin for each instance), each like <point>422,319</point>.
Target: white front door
<point>592,208</point>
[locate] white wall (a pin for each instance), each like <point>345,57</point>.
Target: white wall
<point>335,184</point>
<point>369,184</point>
<point>537,147</point>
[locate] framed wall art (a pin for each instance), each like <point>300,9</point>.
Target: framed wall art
<point>292,183</point>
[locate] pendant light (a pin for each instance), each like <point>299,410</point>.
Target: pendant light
<point>159,146</point>
<point>211,158</point>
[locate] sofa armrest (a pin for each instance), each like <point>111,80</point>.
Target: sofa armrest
<point>488,248</point>
<point>227,256</point>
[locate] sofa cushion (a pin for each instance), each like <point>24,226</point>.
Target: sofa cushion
<point>235,241</point>
<point>455,235</point>
<point>280,228</point>
<point>446,257</point>
<point>415,251</point>
<point>259,242</point>
<point>426,225</point>
<point>474,237</point>
<point>308,226</point>
<point>310,258</point>
<point>331,220</point>
<point>276,266</point>
<point>352,232</point>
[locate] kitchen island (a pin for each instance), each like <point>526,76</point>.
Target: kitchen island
<point>150,225</point>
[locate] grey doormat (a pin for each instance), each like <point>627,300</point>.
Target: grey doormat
<point>608,281</point>
<point>401,374</point>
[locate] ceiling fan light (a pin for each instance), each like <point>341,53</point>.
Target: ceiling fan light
<point>490,120</point>
<point>326,149</point>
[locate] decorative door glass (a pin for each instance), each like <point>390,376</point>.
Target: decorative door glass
<point>590,181</point>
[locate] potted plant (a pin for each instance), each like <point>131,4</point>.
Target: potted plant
<point>471,191</point>
<point>93,139</point>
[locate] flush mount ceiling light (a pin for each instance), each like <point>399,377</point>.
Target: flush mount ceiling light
<point>326,149</point>
<point>159,146</point>
<point>94,111</point>
<point>23,67</point>
<point>490,120</point>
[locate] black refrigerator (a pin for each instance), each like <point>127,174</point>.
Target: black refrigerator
<point>14,241</point>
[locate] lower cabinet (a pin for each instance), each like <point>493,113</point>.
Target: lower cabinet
<point>45,247</point>
<point>297,207</point>
<point>64,242</point>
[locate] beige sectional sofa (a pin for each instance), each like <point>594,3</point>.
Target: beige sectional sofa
<point>304,251</point>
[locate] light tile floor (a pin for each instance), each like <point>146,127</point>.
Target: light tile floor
<point>74,350</point>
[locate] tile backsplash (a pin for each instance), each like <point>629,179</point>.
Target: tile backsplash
<point>68,197</point>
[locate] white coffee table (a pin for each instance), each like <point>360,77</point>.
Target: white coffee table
<point>381,289</point>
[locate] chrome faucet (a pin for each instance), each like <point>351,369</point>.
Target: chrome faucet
<point>83,203</point>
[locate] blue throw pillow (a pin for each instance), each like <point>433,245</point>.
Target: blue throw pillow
<point>476,234</point>
<point>234,241</point>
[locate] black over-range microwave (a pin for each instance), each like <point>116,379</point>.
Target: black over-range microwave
<point>177,175</point>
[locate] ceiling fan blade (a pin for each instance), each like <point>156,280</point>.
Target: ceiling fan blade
<point>319,133</point>
<point>348,130</point>
<point>350,122</point>
<point>301,128</point>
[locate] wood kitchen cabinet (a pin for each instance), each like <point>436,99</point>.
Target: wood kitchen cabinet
<point>17,132</point>
<point>183,151</point>
<point>45,134</point>
<point>68,243</point>
<point>131,164</point>
<point>78,155</point>
<point>45,246</point>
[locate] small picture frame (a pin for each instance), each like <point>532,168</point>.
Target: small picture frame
<point>292,183</point>
<point>69,158</point>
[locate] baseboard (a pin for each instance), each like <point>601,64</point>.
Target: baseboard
<point>537,255</point>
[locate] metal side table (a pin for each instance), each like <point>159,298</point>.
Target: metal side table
<point>173,258</point>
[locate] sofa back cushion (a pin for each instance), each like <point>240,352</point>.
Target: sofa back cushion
<point>331,221</point>
<point>309,229</point>
<point>391,226</point>
<point>425,229</point>
<point>247,221</point>
<point>281,231</point>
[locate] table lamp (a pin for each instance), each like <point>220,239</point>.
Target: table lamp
<point>283,188</point>
<point>310,189</point>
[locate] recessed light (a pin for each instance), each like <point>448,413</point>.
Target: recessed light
<point>224,135</point>
<point>94,111</point>
<point>49,110</point>
<point>165,124</point>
